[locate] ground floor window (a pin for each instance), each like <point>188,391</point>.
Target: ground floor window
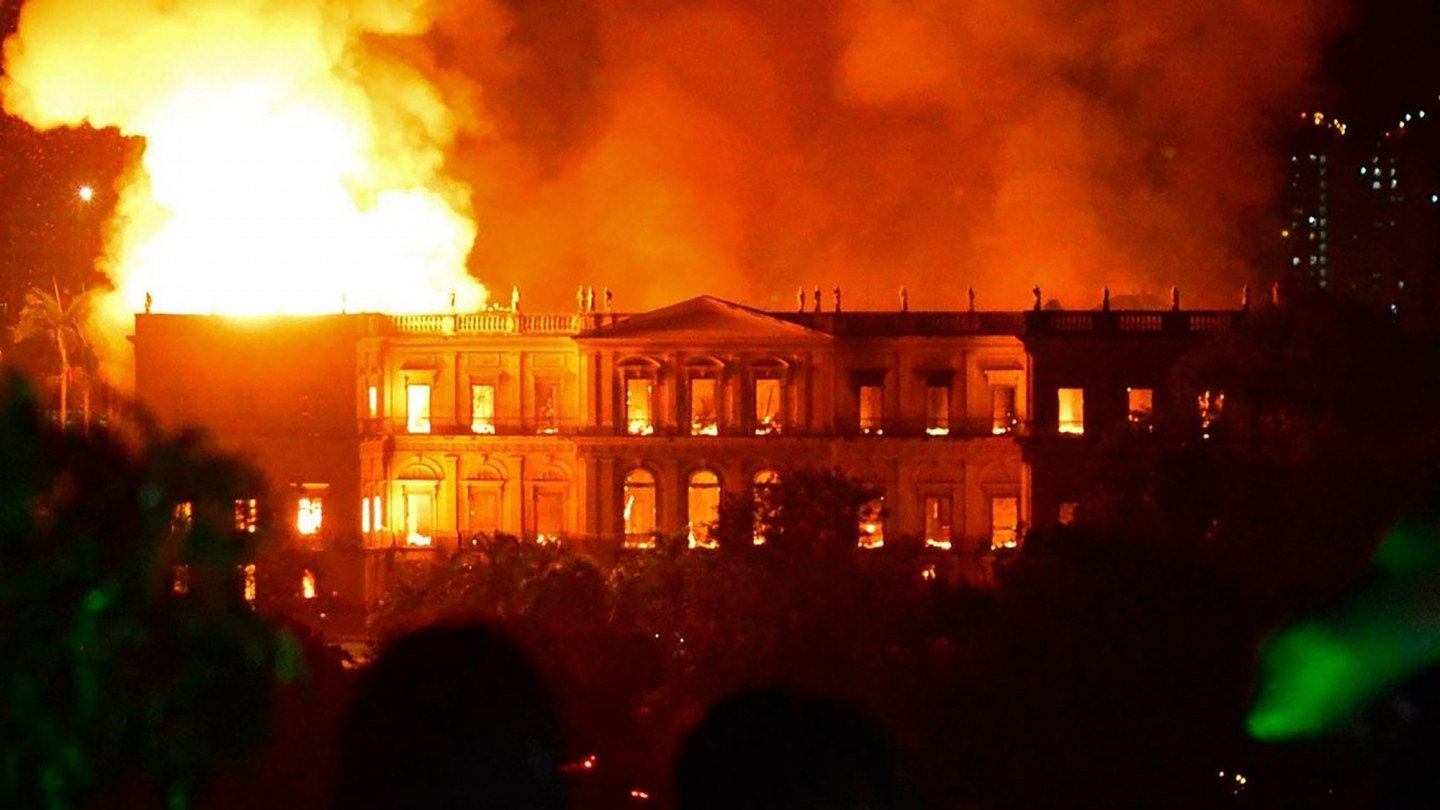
<point>704,508</point>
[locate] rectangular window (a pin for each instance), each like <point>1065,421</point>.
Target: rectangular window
<point>182,515</point>
<point>1004,522</point>
<point>937,521</point>
<point>376,516</point>
<point>872,524</point>
<point>419,518</point>
<point>872,409</point>
<point>484,508</point>
<point>365,515</point>
<point>767,406</point>
<point>704,411</point>
<point>1141,405</point>
<point>547,407</point>
<point>549,515</point>
<point>309,515</point>
<point>1072,410</point>
<point>639,406</point>
<point>1002,409</point>
<point>482,409</point>
<point>246,514</point>
<point>1067,513</point>
<point>372,398</point>
<point>417,408</point>
<point>249,587</point>
<point>937,410</point>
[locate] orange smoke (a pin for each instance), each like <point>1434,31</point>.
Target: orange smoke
<point>290,164</point>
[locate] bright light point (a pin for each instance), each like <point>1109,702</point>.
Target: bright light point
<point>86,194</point>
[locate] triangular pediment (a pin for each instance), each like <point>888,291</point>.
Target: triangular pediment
<point>705,320</point>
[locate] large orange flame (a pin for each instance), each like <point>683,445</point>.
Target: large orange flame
<point>290,164</point>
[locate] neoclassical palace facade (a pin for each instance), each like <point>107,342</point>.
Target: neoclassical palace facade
<point>388,436</point>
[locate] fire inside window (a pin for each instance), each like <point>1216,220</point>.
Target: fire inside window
<point>1002,409</point>
<point>872,409</point>
<point>1141,403</point>
<point>307,584</point>
<point>937,521</point>
<point>937,410</point>
<point>704,508</point>
<point>872,523</point>
<point>547,406</point>
<point>482,409</point>
<point>364,515</point>
<point>1004,522</point>
<point>246,512</point>
<point>309,515</point>
<point>549,514</point>
<point>639,406</point>
<point>764,483</point>
<point>767,406</point>
<point>419,517</point>
<point>417,408</point>
<point>1211,405</point>
<point>249,587</point>
<point>1072,410</point>
<point>639,509</point>
<point>181,516</point>
<point>372,396</point>
<point>704,415</point>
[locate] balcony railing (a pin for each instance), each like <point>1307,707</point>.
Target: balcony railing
<point>495,322</point>
<point>1129,322</point>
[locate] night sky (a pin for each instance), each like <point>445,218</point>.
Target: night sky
<point>1383,61</point>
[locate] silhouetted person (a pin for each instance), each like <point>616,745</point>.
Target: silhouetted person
<point>775,749</point>
<point>451,716</point>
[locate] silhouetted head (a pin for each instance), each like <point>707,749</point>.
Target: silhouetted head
<point>452,716</point>
<point>775,749</point>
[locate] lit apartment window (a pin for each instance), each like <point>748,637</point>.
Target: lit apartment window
<point>482,409</point>
<point>547,406</point>
<point>767,406</point>
<point>372,398</point>
<point>1141,405</point>
<point>1072,410</point>
<point>639,509</point>
<point>937,521</point>
<point>246,514</point>
<point>417,408</point>
<point>639,406</point>
<point>1004,522</point>
<point>1002,409</point>
<point>872,523</point>
<point>937,410</point>
<point>419,517</point>
<point>703,503</point>
<point>704,410</point>
<point>309,515</point>
<point>872,409</point>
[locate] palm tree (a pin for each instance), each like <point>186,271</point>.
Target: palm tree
<point>45,315</point>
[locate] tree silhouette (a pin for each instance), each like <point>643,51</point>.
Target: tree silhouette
<point>46,317</point>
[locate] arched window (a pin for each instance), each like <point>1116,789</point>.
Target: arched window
<point>704,508</point>
<point>639,509</point>
<point>762,486</point>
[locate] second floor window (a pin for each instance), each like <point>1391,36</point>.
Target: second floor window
<point>482,408</point>
<point>1002,409</point>
<point>372,397</point>
<point>417,408</point>
<point>1072,410</point>
<point>872,409</point>
<point>309,515</point>
<point>247,514</point>
<point>1141,404</point>
<point>768,417</point>
<point>704,408</point>
<point>639,406</point>
<point>547,407</point>
<point>937,410</point>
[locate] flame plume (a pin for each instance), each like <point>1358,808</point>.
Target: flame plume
<point>293,161</point>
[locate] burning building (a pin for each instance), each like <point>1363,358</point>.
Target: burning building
<point>389,437</point>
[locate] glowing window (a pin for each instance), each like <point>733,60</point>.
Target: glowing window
<point>417,408</point>
<point>764,484</point>
<point>375,513</point>
<point>365,515</point>
<point>872,523</point>
<point>937,521</point>
<point>639,509</point>
<point>246,514</point>
<point>639,406</point>
<point>1072,410</point>
<point>180,579</point>
<point>307,584</point>
<point>1141,405</point>
<point>547,406</point>
<point>1067,513</point>
<point>549,514</point>
<point>419,518</point>
<point>767,406</point>
<point>704,508</point>
<point>1002,409</point>
<point>482,409</point>
<point>372,397</point>
<point>1211,405</point>
<point>937,410</point>
<point>249,586</point>
<point>704,411</point>
<point>182,515</point>
<point>309,515</point>
<point>1004,522</point>
<point>872,409</point>
<point>484,506</point>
